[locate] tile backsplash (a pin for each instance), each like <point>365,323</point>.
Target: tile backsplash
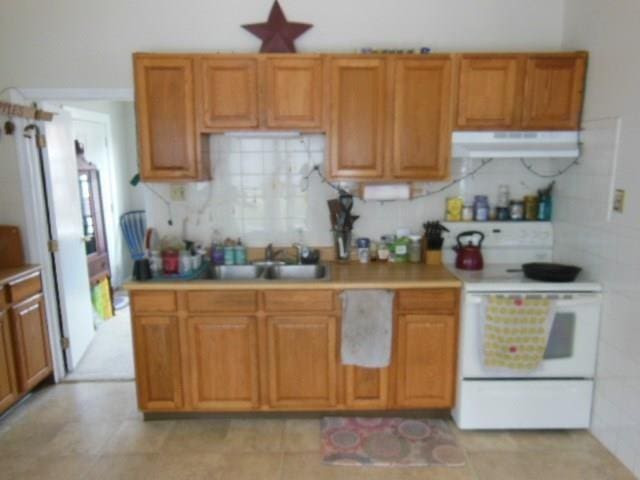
<point>260,193</point>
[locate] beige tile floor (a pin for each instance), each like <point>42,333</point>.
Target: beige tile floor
<point>93,430</point>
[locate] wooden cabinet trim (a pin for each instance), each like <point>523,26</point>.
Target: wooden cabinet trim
<point>567,116</point>
<point>150,371</point>
<point>168,140</point>
<point>283,104</point>
<point>480,116</point>
<point>307,372</point>
<point>422,118</point>
<point>8,384</point>
<point>209,301</point>
<point>31,342</point>
<point>239,104</point>
<point>231,371</point>
<point>374,122</point>
<point>299,301</point>
<point>163,301</point>
<point>354,398</point>
<point>24,287</point>
<point>432,300</point>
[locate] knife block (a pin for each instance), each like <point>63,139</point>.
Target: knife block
<point>433,257</point>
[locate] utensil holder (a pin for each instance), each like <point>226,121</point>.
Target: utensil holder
<point>342,245</point>
<point>433,257</point>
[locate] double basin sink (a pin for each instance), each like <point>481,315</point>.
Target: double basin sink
<point>268,272</point>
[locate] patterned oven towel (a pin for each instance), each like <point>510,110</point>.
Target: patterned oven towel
<point>516,331</point>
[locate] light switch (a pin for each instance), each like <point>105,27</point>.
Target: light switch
<point>177,192</point>
<point>618,200</point>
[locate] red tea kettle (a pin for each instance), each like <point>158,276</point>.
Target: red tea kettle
<point>469,256</point>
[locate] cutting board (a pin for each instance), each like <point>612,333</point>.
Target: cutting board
<point>11,254</point>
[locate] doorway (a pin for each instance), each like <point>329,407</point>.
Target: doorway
<point>105,131</point>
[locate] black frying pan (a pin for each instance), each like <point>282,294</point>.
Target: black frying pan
<point>550,272</point>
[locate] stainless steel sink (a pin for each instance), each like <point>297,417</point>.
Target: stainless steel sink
<point>236,272</point>
<point>297,272</point>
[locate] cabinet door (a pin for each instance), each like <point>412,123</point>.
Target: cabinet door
<point>367,387</point>
<point>554,89</point>
<point>166,118</point>
<point>489,92</point>
<point>8,385</point>
<point>223,362</point>
<point>359,111</point>
<point>425,360</point>
<point>31,342</point>
<point>422,127</point>
<point>157,355</point>
<point>228,92</point>
<point>294,92</point>
<point>302,361</point>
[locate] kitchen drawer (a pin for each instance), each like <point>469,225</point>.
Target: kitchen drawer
<point>25,287</point>
<point>436,300</point>
<point>299,301</point>
<point>153,302</point>
<point>222,301</point>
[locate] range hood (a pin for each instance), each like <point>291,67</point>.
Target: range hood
<point>515,145</point>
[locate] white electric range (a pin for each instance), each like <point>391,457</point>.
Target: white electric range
<point>558,394</point>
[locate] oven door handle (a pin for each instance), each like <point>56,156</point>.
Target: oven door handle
<point>559,302</point>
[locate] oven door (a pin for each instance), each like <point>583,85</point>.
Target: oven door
<point>571,349</point>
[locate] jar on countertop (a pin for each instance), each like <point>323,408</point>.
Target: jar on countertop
<point>481,208</point>
<point>415,248</point>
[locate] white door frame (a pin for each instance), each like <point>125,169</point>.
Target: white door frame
<point>37,235</point>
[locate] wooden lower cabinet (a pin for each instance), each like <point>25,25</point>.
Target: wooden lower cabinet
<point>425,371</point>
<point>158,366</point>
<point>279,350</point>
<point>302,361</point>
<point>366,388</point>
<point>31,342</point>
<point>223,362</point>
<point>8,386</point>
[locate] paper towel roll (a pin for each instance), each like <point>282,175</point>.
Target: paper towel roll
<point>396,191</point>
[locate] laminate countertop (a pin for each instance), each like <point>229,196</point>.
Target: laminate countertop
<point>342,276</point>
<point>8,275</point>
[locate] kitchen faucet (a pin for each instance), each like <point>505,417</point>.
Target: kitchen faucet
<point>269,254</point>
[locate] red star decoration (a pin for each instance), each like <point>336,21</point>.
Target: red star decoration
<point>277,33</point>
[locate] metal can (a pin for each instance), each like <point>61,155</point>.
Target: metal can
<point>516,210</point>
<point>531,207</point>
<point>454,209</point>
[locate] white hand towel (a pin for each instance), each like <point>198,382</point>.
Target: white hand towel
<point>367,326</point>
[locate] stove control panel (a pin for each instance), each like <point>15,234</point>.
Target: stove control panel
<point>505,234</point>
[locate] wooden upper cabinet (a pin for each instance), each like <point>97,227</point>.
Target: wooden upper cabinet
<point>553,93</point>
<point>8,386</point>
<point>302,361</point>
<point>293,92</point>
<point>489,91</point>
<point>359,112</point>
<point>31,342</point>
<point>425,370</point>
<point>422,113</point>
<point>165,103</point>
<point>158,366</point>
<point>223,362</point>
<point>228,92</point>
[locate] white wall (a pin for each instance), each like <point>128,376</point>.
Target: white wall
<point>70,43</point>
<point>586,232</point>
<point>12,210</point>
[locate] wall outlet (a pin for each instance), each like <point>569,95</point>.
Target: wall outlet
<point>177,192</point>
<point>618,200</point>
